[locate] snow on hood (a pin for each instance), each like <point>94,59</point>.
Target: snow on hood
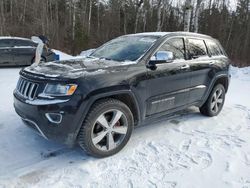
<point>74,68</point>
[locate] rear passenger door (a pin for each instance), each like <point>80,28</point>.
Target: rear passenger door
<point>24,52</point>
<point>6,56</point>
<point>200,65</point>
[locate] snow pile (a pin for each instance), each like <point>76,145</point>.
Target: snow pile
<point>241,73</point>
<point>186,151</point>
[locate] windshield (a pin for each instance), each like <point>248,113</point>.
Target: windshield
<point>125,48</point>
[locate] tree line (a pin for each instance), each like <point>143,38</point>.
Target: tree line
<point>76,25</point>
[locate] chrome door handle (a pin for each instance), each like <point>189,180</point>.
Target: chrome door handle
<point>185,67</point>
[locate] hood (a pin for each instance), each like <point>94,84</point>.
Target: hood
<point>76,67</point>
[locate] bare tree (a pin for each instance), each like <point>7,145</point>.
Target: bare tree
<point>89,19</point>
<point>2,25</point>
<point>197,14</point>
<point>24,11</point>
<point>138,7</point>
<point>159,4</point>
<point>73,19</point>
<point>187,16</point>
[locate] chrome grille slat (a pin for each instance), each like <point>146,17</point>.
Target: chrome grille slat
<point>19,84</point>
<point>22,87</point>
<point>30,94</point>
<point>27,89</point>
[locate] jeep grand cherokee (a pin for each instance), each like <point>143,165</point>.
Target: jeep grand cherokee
<point>129,81</point>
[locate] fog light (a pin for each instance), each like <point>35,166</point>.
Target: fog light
<point>54,117</point>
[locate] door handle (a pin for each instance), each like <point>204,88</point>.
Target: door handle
<point>212,63</point>
<point>185,67</point>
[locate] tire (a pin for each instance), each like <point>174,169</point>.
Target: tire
<point>215,101</point>
<point>106,129</point>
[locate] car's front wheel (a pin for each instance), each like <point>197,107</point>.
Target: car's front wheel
<point>215,101</point>
<point>107,128</point>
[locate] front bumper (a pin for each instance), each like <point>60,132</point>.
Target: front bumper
<point>34,115</point>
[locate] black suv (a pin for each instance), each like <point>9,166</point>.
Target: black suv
<point>129,81</point>
<point>16,51</point>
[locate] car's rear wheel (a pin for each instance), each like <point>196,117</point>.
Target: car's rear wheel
<point>107,128</point>
<point>215,101</point>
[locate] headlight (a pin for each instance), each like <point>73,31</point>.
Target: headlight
<point>59,89</point>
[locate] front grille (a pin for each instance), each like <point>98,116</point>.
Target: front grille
<point>27,89</point>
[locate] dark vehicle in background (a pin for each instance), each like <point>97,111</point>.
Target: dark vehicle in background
<point>130,81</point>
<point>15,51</point>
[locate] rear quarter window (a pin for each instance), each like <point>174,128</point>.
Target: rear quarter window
<point>213,48</point>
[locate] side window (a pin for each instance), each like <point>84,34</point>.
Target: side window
<point>196,48</point>
<point>24,43</point>
<point>175,45</point>
<point>5,43</point>
<point>213,48</point>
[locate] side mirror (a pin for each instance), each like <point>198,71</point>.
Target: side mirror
<point>159,58</point>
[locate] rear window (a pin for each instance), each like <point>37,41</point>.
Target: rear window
<point>196,48</point>
<point>213,48</point>
<point>5,43</point>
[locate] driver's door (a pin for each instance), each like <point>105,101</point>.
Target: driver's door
<point>168,85</point>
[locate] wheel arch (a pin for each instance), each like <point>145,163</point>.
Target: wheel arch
<point>219,79</point>
<point>224,80</point>
<point>125,96</point>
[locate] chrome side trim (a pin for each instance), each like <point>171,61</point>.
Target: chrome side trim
<point>40,131</point>
<point>163,100</point>
<point>177,92</point>
<point>200,87</point>
<point>188,89</point>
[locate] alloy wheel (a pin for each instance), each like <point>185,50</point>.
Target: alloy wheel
<point>109,130</point>
<point>217,100</point>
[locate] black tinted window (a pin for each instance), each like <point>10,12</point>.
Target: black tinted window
<point>196,48</point>
<point>24,43</point>
<point>4,43</point>
<point>213,48</point>
<point>176,46</point>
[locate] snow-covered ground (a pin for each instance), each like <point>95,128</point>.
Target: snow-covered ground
<point>187,151</point>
